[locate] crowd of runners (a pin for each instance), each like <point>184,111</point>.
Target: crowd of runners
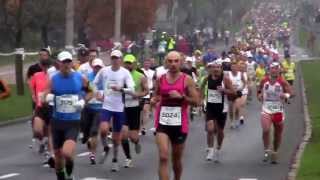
<point>109,106</point>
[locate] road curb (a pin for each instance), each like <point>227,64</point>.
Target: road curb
<point>15,121</point>
<point>307,132</point>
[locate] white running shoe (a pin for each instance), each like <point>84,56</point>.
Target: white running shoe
<point>115,167</point>
<point>266,156</point>
<point>128,163</point>
<point>217,156</point>
<point>210,154</point>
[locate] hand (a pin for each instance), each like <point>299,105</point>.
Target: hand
<point>116,88</point>
<point>175,94</point>
<point>153,101</point>
<point>99,96</point>
<point>34,98</point>
<point>285,96</point>
<point>220,89</point>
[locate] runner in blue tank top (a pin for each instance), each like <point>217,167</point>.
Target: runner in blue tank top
<point>66,89</point>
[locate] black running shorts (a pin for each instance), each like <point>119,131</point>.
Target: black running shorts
<point>63,131</point>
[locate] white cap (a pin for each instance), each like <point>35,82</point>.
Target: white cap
<point>116,53</point>
<point>97,62</point>
<point>64,55</point>
<point>216,62</point>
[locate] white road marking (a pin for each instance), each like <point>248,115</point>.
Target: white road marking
<point>94,178</point>
<point>83,154</point>
<point>248,179</point>
<point>6,176</point>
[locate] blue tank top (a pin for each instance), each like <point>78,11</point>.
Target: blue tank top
<point>67,91</point>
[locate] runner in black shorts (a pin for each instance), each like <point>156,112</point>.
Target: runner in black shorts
<point>133,109</point>
<point>219,86</point>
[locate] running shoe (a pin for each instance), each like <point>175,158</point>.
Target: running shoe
<point>274,158</point>
<point>128,163</point>
<point>143,131</point>
<point>210,154</point>
<point>104,155</point>
<point>92,158</point>
<point>115,166</point>
<point>266,156</point>
<point>217,156</point>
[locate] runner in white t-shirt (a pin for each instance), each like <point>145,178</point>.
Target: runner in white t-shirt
<point>116,81</point>
<point>146,100</point>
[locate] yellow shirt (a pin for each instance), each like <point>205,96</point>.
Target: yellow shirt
<point>289,69</point>
<point>260,73</point>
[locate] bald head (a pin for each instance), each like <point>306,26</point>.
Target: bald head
<point>173,61</point>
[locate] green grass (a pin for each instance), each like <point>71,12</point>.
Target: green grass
<point>9,60</point>
<point>15,106</point>
<point>310,165</point>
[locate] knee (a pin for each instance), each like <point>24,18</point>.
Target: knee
<point>163,157</point>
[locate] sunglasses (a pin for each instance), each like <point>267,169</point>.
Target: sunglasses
<point>115,57</point>
<point>67,61</point>
<point>173,60</point>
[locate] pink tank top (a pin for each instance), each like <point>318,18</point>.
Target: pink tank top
<point>172,112</point>
<point>39,83</point>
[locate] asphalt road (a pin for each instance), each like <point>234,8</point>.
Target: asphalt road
<point>241,154</point>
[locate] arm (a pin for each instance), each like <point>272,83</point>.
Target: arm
<point>6,88</point>
<point>144,87</point>
<point>156,96</point>
<point>229,90</point>
<point>193,96</point>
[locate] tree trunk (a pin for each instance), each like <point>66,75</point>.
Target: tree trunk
<point>44,35</point>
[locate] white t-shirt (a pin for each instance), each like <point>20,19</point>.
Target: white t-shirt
<point>85,69</point>
<point>106,78</point>
<point>150,74</point>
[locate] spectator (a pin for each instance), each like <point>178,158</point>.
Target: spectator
<point>4,89</point>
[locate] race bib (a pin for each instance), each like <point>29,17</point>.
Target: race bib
<point>65,103</point>
<point>170,116</point>
<point>130,101</point>
<point>214,96</point>
<point>273,106</point>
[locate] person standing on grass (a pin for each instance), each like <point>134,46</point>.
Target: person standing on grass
<point>4,89</point>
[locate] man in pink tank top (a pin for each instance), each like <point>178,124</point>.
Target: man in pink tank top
<point>173,93</point>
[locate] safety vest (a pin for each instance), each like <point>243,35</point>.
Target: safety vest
<point>290,69</point>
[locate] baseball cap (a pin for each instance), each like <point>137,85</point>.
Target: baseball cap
<point>97,62</point>
<point>215,63</point>
<point>116,53</point>
<point>64,55</point>
<point>129,58</point>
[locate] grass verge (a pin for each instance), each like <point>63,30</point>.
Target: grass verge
<point>15,106</point>
<point>310,164</point>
